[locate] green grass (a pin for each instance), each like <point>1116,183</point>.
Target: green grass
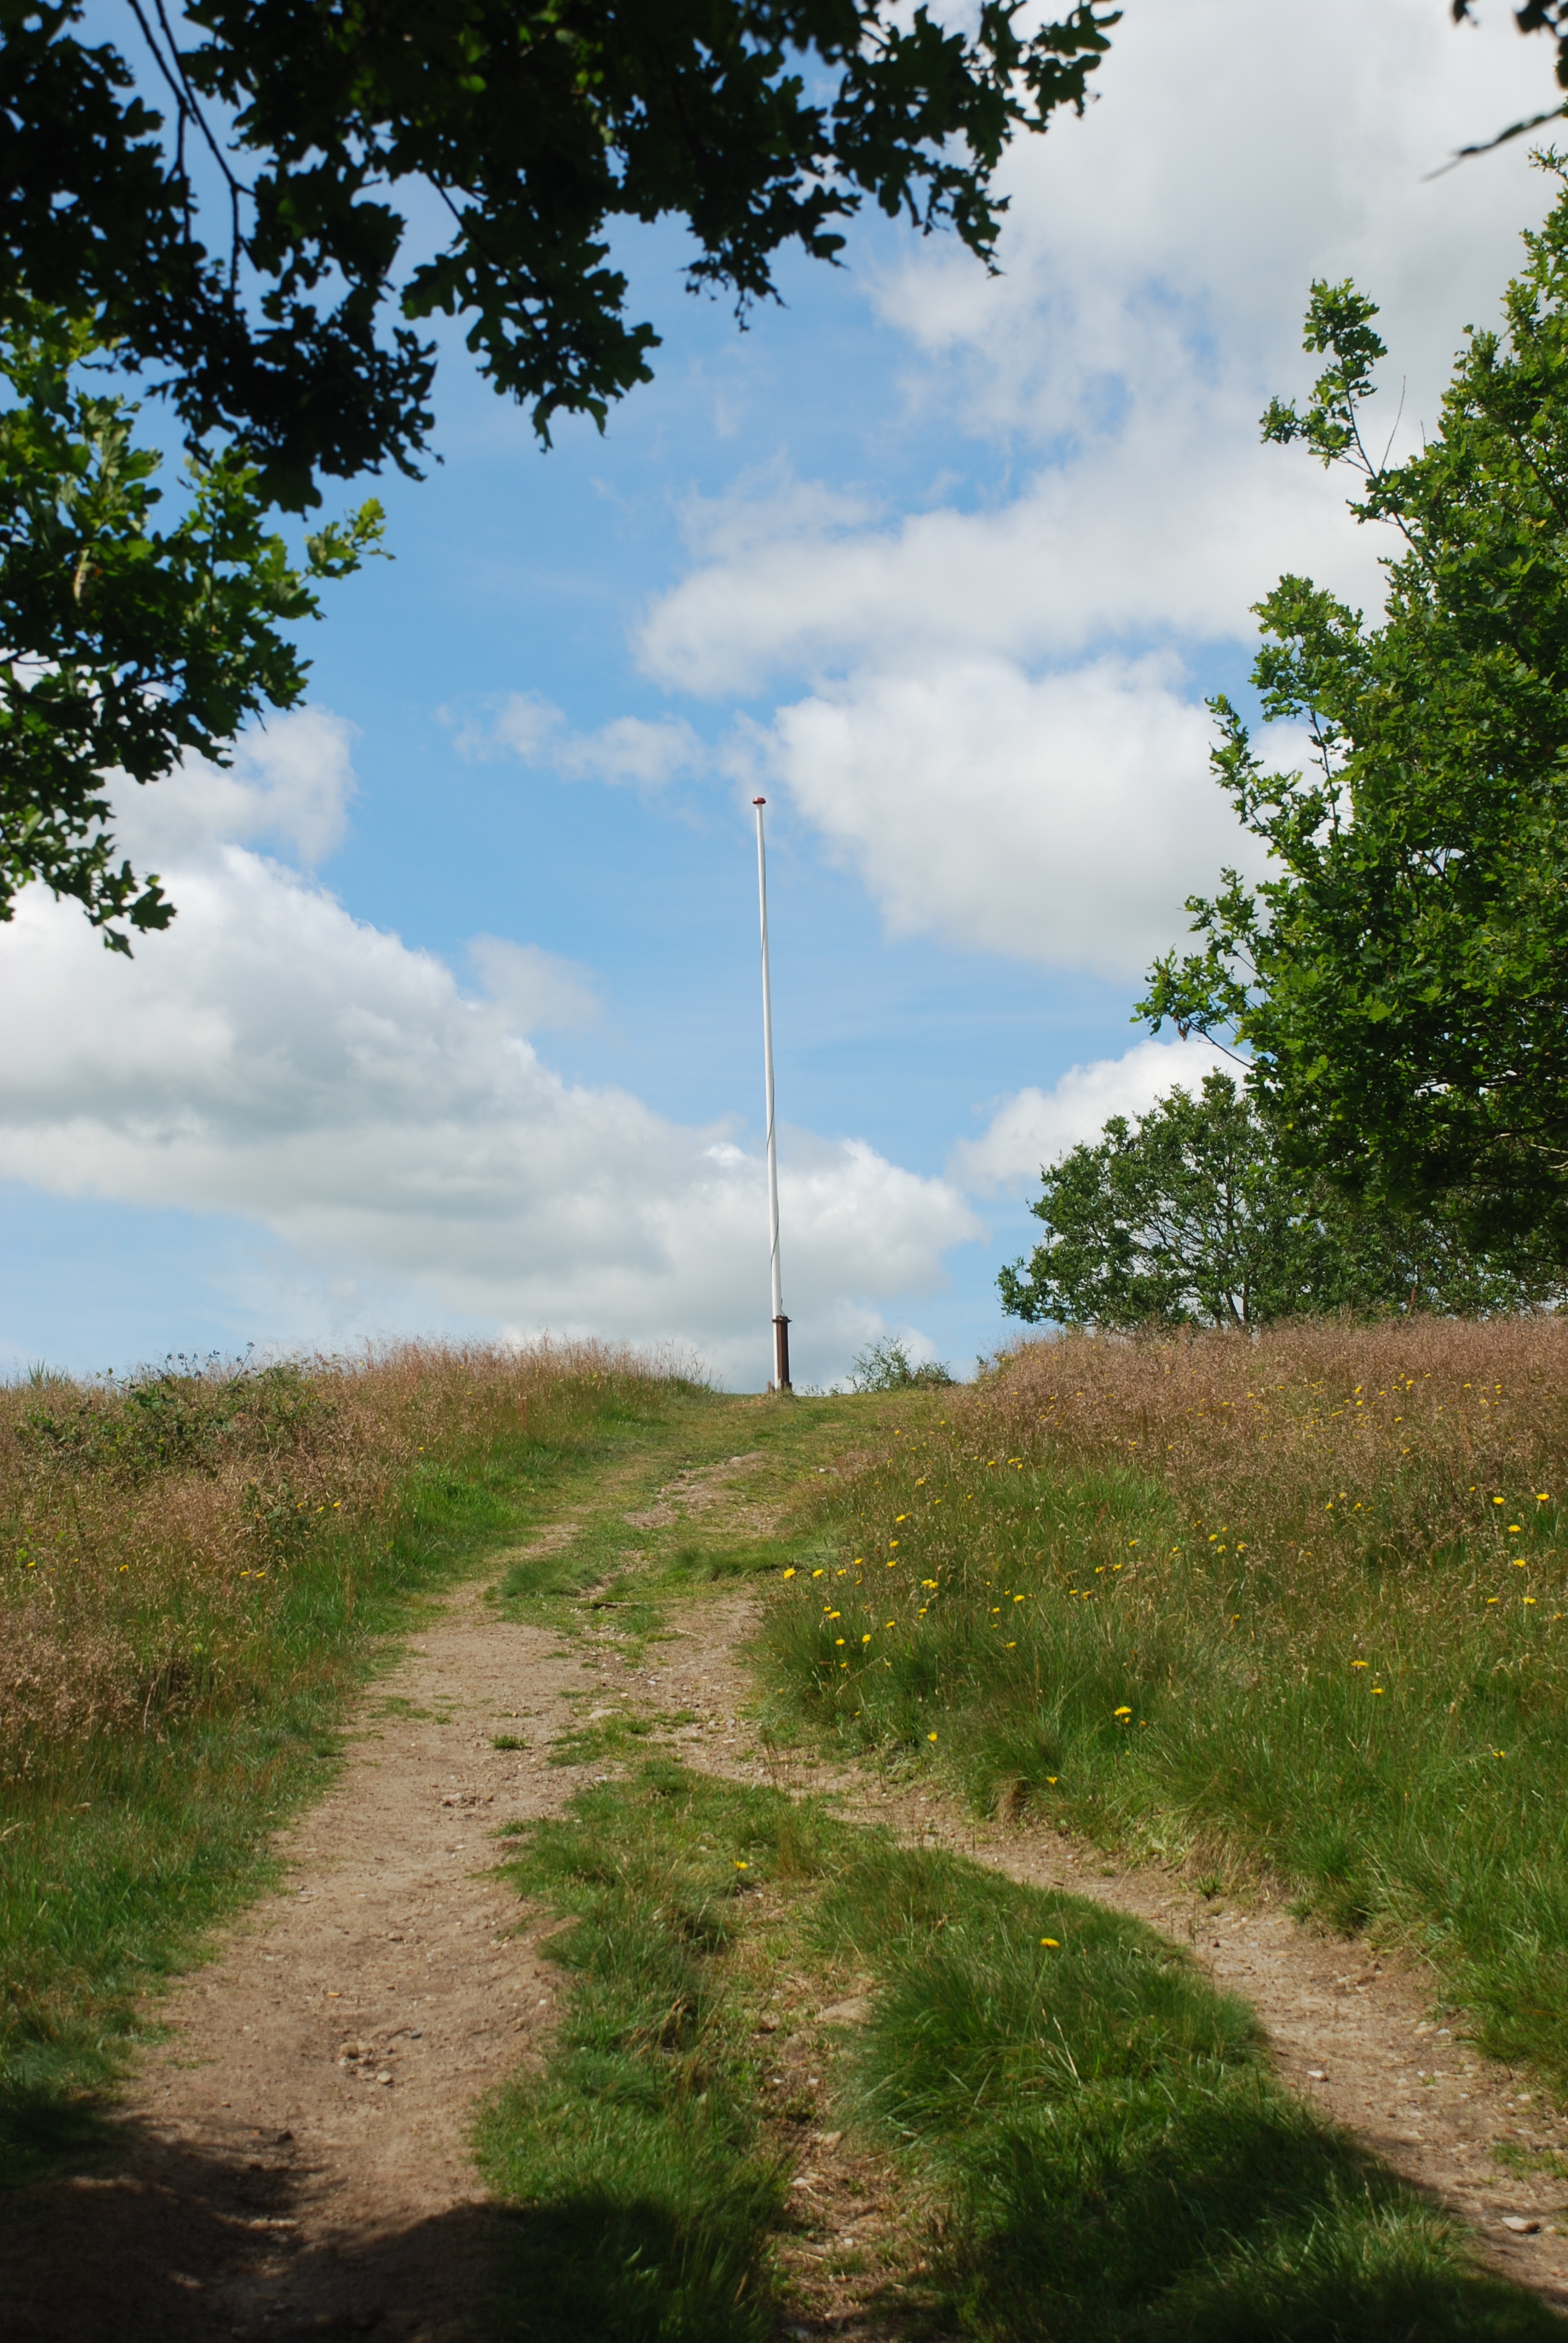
<point>1085,2135</point>
<point>1108,2149</point>
<point>643,2193</point>
<point>121,1853</point>
<point>1301,1651</point>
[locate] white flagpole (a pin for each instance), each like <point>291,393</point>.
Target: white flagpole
<point>780,1324</point>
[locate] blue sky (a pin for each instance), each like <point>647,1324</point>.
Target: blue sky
<point>458,1027</point>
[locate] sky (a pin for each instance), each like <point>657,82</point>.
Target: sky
<point>458,1026</point>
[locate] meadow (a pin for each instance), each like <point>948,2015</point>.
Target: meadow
<point>200,1569</point>
<point>1293,1608</point>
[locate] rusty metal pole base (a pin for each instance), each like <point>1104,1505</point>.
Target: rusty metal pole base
<point>781,1354</point>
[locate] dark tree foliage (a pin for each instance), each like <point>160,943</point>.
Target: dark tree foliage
<point>243,237</point>
<point>126,640</point>
<point>1189,1216</point>
<point>1401,977</point>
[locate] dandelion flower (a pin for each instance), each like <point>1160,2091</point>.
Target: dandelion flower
<point>931,1736</point>
<point>790,1573</point>
<point>1054,1942</point>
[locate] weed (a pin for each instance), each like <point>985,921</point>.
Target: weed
<point>1296,1604</point>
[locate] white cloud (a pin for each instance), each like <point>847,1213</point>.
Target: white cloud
<point>1157,532</point>
<point>1064,819</point>
<point>290,786</point>
<point>274,1058</point>
<point>984,736</point>
<point>536,990</point>
<point>1035,1127</point>
<point>646,754</point>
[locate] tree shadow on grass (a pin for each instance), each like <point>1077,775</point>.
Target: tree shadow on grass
<point>594,2268</point>
<point>1226,2223</point>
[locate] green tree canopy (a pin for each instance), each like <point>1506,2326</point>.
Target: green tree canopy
<point>1189,1216</point>
<point>125,642</point>
<point>1399,977</point>
<point>243,237</point>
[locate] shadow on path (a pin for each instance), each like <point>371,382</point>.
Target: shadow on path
<point>171,2239</point>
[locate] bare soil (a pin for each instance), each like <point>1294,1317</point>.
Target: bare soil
<point>292,2160</point>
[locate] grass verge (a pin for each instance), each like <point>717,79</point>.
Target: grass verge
<point>1297,1604</point>
<point>1077,2133</point>
<point>201,1571</point>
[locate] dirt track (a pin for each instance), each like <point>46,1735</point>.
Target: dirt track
<point>292,2161</point>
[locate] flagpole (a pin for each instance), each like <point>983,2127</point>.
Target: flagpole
<point>780,1324</point>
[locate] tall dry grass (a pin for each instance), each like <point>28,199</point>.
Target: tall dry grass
<point>1296,1604</point>
<point>153,1527</point>
<point>194,1570</point>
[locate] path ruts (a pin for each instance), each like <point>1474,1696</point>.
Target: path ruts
<point>292,2160</point>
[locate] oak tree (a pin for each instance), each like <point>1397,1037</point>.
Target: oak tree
<point>263,202</point>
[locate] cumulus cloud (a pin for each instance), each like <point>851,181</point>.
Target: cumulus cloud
<point>272,1057</point>
<point>290,787</point>
<point>1036,1127</point>
<point>985,735</point>
<point>534,990</point>
<point>1064,819</point>
<point>631,749</point>
<point>1159,531</point>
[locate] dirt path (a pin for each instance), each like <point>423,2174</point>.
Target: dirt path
<point>1350,2029</point>
<point>292,2162</point>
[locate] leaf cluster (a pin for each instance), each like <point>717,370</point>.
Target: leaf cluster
<point>177,1418</point>
<point>287,313</point>
<point>1191,1216</point>
<point>1399,977</point>
<point>886,1366</point>
<point>127,641</point>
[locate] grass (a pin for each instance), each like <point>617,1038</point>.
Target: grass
<point>1296,1606</point>
<point>643,2189</point>
<point>1080,2135</point>
<point>200,1571</point>
<point>629,1570</point>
